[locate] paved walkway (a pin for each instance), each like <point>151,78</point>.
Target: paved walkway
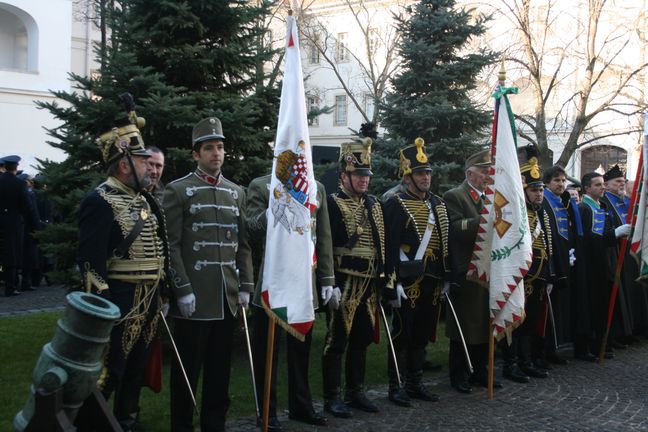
<point>577,397</point>
<point>43,299</point>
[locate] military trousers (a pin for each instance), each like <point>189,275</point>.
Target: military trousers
<point>130,343</point>
<point>203,345</point>
<point>297,354</point>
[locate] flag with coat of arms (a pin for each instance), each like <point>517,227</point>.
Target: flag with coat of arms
<point>502,254</point>
<point>639,242</point>
<point>290,251</point>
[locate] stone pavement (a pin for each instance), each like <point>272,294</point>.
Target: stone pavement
<point>43,299</point>
<point>577,397</point>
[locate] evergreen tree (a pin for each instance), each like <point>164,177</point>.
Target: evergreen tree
<point>182,61</point>
<point>431,93</point>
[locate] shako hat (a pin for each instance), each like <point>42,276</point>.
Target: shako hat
<point>529,167</point>
<point>413,158</point>
<point>612,173</point>
<point>207,129</point>
<point>125,137</point>
<point>355,156</point>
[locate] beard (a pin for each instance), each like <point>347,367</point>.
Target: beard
<point>144,182</point>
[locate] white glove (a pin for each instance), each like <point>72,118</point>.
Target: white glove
<point>165,309</point>
<point>400,294</point>
<point>327,292</point>
<point>187,305</point>
<point>549,288</point>
<point>244,299</point>
<point>335,298</point>
<point>446,288</point>
<point>623,230</point>
<point>572,257</point>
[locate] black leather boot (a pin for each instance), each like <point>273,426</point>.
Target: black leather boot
<point>355,372</point>
<point>332,371</point>
<point>413,385</point>
<point>397,394</point>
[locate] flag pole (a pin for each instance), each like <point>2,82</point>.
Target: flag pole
<point>501,78</point>
<point>268,372</point>
<point>620,259</point>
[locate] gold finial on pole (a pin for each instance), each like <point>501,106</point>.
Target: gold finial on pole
<point>501,76</point>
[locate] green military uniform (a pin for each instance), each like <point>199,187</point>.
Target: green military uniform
<point>211,259</point>
<point>358,233</point>
<point>417,247</point>
<point>470,299</point>
<point>300,402</point>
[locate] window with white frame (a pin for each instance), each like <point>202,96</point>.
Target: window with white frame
<point>374,40</point>
<point>13,42</point>
<point>313,52</point>
<point>369,105</point>
<point>342,53</point>
<point>312,102</point>
<point>340,110</point>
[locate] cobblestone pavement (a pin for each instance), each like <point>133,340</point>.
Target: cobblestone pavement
<point>42,299</point>
<point>577,397</point>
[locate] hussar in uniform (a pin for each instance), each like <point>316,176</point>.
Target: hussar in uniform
<point>358,233</point>
<point>123,257</point>
<point>212,277</point>
<point>417,247</point>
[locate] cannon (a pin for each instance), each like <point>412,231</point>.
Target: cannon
<point>71,362</point>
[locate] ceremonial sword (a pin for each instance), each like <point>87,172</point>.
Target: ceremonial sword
<point>463,340</point>
<point>391,344</point>
<point>184,372</point>
<point>249,347</point>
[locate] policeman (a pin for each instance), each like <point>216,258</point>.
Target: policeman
<point>358,234</point>
<point>15,209</point>
<point>417,247</point>
<point>123,255</point>
<point>212,277</point>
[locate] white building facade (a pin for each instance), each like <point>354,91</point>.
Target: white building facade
<point>41,42</point>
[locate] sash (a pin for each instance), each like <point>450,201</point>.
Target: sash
<point>560,213</point>
<point>620,206</point>
<point>598,216</point>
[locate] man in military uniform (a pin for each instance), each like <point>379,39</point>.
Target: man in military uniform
<point>16,209</point>
<point>122,256</point>
<point>212,277</point>
<point>567,230</point>
<point>417,247</point>
<point>528,338</point>
<point>358,233</point>
<point>465,204</point>
<point>631,303</point>
<point>300,402</point>
<point>157,168</point>
<point>599,252</point>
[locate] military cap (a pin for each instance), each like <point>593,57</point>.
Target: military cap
<point>413,158</point>
<point>355,156</point>
<point>12,159</point>
<point>529,168</point>
<point>207,129</point>
<point>125,137</point>
<point>480,159</point>
<point>612,173</point>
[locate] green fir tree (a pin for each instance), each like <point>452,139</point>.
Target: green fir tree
<point>182,61</point>
<point>430,96</point>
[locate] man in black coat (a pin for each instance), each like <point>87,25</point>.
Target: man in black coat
<point>14,206</point>
<point>599,252</point>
